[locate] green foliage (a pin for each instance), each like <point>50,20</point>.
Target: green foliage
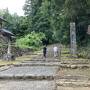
<point>84,52</point>
<point>51,17</point>
<point>48,16</point>
<point>33,40</point>
<point>40,17</point>
<point>16,24</point>
<point>78,12</point>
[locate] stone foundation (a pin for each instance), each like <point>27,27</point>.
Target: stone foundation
<point>9,57</point>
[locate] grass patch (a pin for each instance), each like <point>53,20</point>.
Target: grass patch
<point>65,55</point>
<point>20,59</point>
<point>17,61</point>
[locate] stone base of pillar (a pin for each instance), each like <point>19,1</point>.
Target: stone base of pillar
<point>73,56</point>
<point>8,57</point>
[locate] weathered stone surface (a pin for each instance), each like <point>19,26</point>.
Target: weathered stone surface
<point>71,79</point>
<point>73,66</point>
<point>37,72</point>
<point>73,83</point>
<point>88,31</point>
<point>39,63</point>
<point>27,85</point>
<point>75,61</point>
<point>73,39</point>
<point>8,57</point>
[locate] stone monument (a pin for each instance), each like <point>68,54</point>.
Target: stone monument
<point>88,31</point>
<point>73,47</point>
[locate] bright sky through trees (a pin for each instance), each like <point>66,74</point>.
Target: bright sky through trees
<point>14,6</point>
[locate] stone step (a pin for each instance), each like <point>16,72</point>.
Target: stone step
<point>28,77</point>
<point>73,83</point>
<point>72,78</point>
<point>75,66</point>
<point>39,63</point>
<point>74,60</point>
<point>26,85</point>
<point>42,60</point>
<point>27,72</point>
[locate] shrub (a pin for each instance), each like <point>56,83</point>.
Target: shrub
<point>84,52</point>
<point>32,40</point>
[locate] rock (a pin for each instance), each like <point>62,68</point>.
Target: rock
<point>73,66</point>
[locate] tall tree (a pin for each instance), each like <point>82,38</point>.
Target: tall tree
<point>40,16</point>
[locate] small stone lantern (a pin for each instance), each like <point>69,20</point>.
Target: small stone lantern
<point>8,35</point>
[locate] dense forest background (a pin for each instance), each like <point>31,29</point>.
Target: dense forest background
<point>49,19</point>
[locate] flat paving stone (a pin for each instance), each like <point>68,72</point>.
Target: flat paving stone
<point>27,85</point>
<point>25,71</point>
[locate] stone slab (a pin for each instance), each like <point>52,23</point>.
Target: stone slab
<point>73,83</point>
<point>27,85</point>
<point>39,63</point>
<point>30,72</point>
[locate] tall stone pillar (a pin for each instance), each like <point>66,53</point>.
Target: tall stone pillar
<point>73,47</point>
